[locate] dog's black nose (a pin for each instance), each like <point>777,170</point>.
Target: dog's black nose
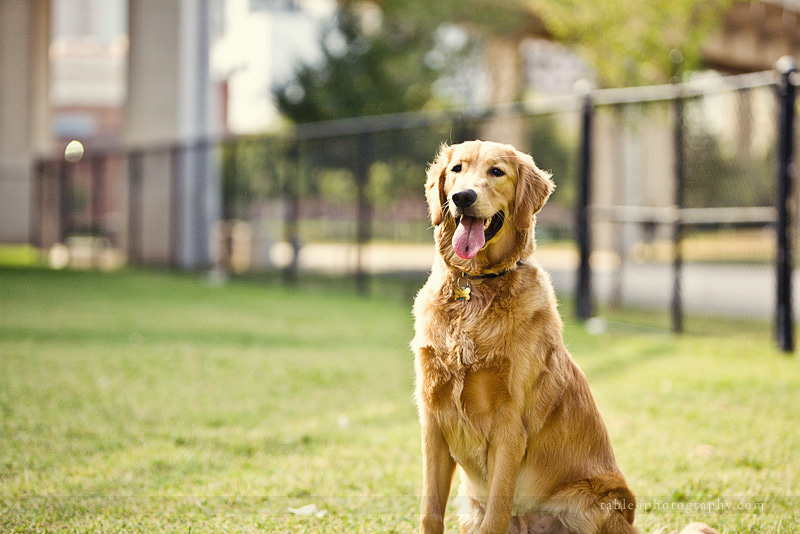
<point>465,199</point>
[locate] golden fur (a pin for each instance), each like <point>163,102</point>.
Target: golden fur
<point>498,393</point>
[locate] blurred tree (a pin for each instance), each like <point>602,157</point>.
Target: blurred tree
<point>385,56</point>
<point>716,179</point>
<point>628,43</point>
<point>498,29</point>
<point>371,64</point>
<point>377,55</point>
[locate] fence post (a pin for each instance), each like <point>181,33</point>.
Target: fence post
<point>784,320</point>
<point>583,291</point>
<point>178,204</point>
<point>98,169</point>
<point>364,209</point>
<point>677,228</point>
<point>97,166</point>
<point>37,204</point>
<point>64,201</point>
<point>291,224</point>
<point>135,207</point>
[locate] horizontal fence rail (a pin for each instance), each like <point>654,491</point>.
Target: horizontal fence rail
<point>692,216</point>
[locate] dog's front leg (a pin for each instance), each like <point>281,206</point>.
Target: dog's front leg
<point>438,468</point>
<point>505,454</point>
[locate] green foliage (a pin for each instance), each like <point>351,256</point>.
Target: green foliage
<point>393,162</point>
<point>338,186</point>
<point>364,71</point>
<point>19,255</point>
<point>724,168</point>
<point>715,180</point>
<point>253,169</point>
<point>629,43</point>
<point>391,66</point>
<point>511,19</point>
<point>555,150</point>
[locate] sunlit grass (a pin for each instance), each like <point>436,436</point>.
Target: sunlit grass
<point>150,402</point>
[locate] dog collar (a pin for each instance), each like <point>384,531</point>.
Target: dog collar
<point>490,275</point>
<point>462,290</point>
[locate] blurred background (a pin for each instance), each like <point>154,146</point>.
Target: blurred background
<point>291,137</point>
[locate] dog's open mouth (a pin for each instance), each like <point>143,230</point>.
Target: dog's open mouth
<point>472,233</point>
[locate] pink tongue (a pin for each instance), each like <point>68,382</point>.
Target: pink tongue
<point>469,239</point>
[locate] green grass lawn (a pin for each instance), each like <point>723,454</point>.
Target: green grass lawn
<point>153,402</point>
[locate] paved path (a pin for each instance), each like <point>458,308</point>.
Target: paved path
<point>732,290</point>
<point>719,290</point>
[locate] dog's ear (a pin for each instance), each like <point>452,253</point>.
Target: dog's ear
<point>434,186</point>
<point>533,189</point>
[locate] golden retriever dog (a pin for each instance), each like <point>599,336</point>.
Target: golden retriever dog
<point>498,394</point>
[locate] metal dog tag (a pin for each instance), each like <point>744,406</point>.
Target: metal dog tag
<point>461,292</point>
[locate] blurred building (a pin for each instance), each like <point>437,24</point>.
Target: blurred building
<point>254,45</point>
<point>550,67</point>
<point>88,61</point>
<point>753,35</point>
<point>257,47</point>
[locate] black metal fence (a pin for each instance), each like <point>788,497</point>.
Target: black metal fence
<point>692,227</point>
<point>666,200</point>
<point>315,199</point>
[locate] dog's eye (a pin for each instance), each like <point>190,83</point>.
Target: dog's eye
<point>494,171</point>
<point>456,168</point>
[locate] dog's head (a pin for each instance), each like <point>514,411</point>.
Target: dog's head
<point>483,197</point>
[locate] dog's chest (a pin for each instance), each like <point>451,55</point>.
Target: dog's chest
<point>468,333</point>
<point>463,360</point>
<point>465,405</point>
<point>466,378</point>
